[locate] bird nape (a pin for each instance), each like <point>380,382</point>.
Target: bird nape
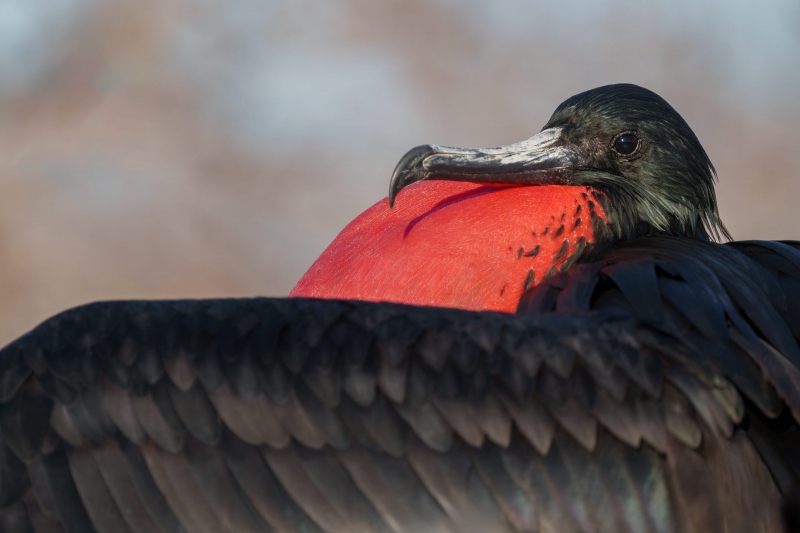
<point>640,377</point>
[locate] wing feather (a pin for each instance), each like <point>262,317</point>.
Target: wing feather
<point>458,489</point>
<point>390,503</point>
<point>173,476</point>
<point>554,512</point>
<point>508,475</point>
<point>67,503</point>
<point>212,476</point>
<point>144,483</point>
<point>286,466</point>
<point>226,415</point>
<point>120,409</point>
<point>153,422</point>
<point>333,481</point>
<point>111,466</point>
<point>15,519</point>
<point>263,489</point>
<point>62,423</point>
<point>196,412</point>
<point>297,423</point>
<point>39,521</point>
<point>251,419</point>
<point>40,488</point>
<point>100,505</point>
<point>24,421</point>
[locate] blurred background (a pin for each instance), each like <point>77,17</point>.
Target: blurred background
<point>199,148</point>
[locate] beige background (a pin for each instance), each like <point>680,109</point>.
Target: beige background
<point>196,148</point>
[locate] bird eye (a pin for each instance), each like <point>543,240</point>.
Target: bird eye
<point>626,144</point>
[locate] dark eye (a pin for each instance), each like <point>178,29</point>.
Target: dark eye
<point>626,144</point>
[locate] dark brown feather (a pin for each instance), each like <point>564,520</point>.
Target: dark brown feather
<point>112,468</point>
<point>219,488</point>
<point>264,491</point>
<point>173,476</point>
<point>590,421</point>
<point>100,505</point>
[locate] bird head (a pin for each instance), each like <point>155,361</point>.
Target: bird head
<point>622,140</point>
<point>483,225</point>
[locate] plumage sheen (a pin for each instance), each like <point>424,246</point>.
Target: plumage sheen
<point>649,380</point>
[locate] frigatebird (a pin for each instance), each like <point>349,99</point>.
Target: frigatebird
<point>611,164</point>
<point>614,370</point>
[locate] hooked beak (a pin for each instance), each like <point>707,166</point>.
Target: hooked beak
<point>543,159</point>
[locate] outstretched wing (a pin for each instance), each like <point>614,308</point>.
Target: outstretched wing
<point>309,415</point>
<point>736,305</point>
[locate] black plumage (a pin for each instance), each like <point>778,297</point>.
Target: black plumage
<point>676,396</point>
<point>652,386</point>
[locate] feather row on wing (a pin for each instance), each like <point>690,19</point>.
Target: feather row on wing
<point>310,415</point>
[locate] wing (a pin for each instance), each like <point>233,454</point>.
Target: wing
<point>309,415</point>
<point>738,305</point>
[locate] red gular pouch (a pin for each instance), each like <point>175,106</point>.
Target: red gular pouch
<point>455,244</point>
